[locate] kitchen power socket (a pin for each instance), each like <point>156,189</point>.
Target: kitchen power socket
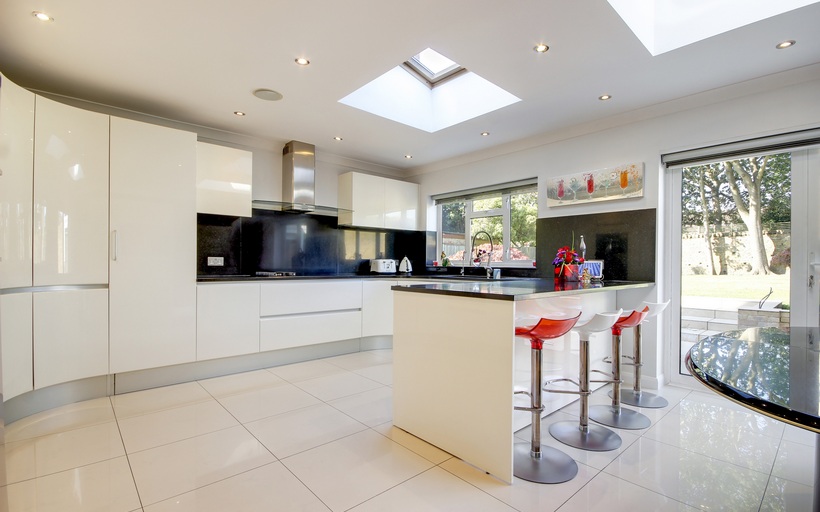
<point>216,261</point>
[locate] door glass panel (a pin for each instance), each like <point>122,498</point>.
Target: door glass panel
<point>735,246</point>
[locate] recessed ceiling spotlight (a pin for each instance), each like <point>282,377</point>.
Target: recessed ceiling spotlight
<point>541,48</point>
<point>239,113</point>
<point>786,44</point>
<point>267,95</point>
<point>605,97</point>
<point>42,16</point>
<point>485,134</point>
<point>337,138</point>
<point>302,61</point>
<point>408,156</point>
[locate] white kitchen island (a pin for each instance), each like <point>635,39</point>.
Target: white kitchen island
<point>456,361</point>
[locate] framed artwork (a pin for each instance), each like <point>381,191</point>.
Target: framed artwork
<point>610,184</point>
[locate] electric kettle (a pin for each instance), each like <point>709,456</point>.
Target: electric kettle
<point>405,265</point>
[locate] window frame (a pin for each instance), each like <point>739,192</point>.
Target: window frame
<point>505,212</point>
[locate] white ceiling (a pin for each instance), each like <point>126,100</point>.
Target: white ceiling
<point>199,61</point>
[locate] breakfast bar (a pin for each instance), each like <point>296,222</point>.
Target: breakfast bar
<point>457,362</point>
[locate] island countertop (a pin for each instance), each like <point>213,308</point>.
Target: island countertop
<point>519,289</point>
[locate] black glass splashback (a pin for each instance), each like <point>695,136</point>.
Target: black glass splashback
<point>312,245</point>
<point>625,241</point>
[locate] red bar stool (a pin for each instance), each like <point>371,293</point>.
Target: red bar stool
<point>581,434</point>
<point>544,465</point>
<point>637,397</point>
<point>613,415</point>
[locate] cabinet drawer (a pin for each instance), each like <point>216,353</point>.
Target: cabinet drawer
<point>310,297</point>
<point>299,330</point>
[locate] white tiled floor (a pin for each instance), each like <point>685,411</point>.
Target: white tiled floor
<point>317,436</point>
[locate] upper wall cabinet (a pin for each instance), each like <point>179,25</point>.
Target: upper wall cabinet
<point>16,182</point>
<point>377,202</point>
<point>223,180</point>
<point>70,195</point>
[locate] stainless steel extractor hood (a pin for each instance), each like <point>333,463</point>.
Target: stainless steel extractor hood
<point>299,176</point>
<point>298,183</point>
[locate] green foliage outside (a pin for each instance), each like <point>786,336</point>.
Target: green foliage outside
<point>754,192</point>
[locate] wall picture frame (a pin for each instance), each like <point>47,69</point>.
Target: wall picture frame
<point>609,184</point>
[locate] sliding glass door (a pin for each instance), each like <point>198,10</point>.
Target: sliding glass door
<point>744,236</point>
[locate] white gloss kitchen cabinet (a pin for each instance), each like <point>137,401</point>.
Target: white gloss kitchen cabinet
<point>298,313</point>
<point>70,335</point>
<point>16,183</point>
<point>16,336</point>
<point>377,307</point>
<point>376,202</point>
<point>223,180</point>
<point>401,201</point>
<point>227,320</point>
<point>16,191</point>
<point>70,195</point>
<point>152,284</point>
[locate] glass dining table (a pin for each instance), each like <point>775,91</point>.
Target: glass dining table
<point>773,371</point>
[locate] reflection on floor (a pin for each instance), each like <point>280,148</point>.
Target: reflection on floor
<point>317,436</point>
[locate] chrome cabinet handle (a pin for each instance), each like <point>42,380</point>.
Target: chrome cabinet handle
<point>114,245</point>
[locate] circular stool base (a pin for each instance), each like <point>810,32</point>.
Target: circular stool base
<point>625,419</point>
<point>553,467</point>
<point>596,439</point>
<point>642,399</point>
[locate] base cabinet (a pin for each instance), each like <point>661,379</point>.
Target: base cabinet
<point>295,314</point>
<point>16,336</point>
<point>300,330</point>
<point>70,336</point>
<point>377,308</point>
<point>227,320</point>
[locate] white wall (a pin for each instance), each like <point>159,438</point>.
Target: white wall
<point>773,104</point>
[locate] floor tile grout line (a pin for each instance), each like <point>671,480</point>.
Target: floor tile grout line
<point>127,457</point>
<point>212,483</point>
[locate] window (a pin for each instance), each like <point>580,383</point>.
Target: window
<point>496,224</point>
<point>432,68</point>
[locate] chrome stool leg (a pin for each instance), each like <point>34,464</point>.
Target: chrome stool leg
<point>536,463</point>
<point>583,435</point>
<point>614,415</point>
<point>635,396</point>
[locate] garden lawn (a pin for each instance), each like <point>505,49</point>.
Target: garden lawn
<point>737,286</point>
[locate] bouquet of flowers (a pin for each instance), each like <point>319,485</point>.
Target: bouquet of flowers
<point>565,257</point>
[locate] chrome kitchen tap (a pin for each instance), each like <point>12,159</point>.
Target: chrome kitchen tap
<point>489,254</point>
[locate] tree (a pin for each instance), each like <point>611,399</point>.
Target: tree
<point>754,191</point>
<point>523,215</point>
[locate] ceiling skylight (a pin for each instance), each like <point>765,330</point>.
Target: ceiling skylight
<point>432,67</point>
<point>663,25</point>
<point>446,94</point>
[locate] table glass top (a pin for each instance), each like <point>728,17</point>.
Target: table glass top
<point>774,371</point>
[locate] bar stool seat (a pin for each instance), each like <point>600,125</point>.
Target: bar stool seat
<point>535,463</point>
<point>614,415</point>
<point>636,396</point>
<point>581,434</point>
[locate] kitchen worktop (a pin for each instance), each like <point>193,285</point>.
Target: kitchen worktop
<point>519,289</point>
<point>447,277</point>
